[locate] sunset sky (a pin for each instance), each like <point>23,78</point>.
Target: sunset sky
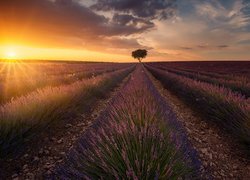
<point>108,30</point>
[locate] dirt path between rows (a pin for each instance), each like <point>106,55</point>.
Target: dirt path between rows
<point>50,149</point>
<point>220,154</point>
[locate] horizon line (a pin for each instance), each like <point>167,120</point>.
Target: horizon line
<point>94,61</point>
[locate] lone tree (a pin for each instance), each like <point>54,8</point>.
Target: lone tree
<point>139,54</point>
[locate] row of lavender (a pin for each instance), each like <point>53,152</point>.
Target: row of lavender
<point>24,117</point>
<point>23,79</point>
<point>237,84</point>
<point>229,110</point>
<point>215,75</point>
<point>228,69</point>
<point>47,68</point>
<point>135,138</point>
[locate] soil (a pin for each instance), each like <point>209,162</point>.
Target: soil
<point>221,155</point>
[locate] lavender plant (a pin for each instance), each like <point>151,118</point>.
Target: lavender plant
<point>21,119</point>
<point>131,141</point>
<point>16,86</point>
<point>229,110</point>
<point>239,85</point>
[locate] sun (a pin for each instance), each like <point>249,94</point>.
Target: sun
<point>10,54</point>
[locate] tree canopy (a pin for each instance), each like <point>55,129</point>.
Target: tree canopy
<point>139,54</point>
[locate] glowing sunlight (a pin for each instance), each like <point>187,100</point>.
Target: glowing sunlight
<point>10,54</point>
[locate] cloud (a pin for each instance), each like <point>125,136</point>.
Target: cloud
<point>202,46</point>
<point>223,46</point>
<point>246,41</point>
<point>205,28</point>
<point>123,24</point>
<point>205,47</point>
<point>233,15</point>
<point>64,23</point>
<point>42,20</point>
<point>148,9</point>
<point>212,47</point>
<point>186,48</point>
<point>117,44</point>
<point>170,28</point>
<point>129,20</point>
<point>57,15</point>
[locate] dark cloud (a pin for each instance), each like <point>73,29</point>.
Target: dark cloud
<point>202,46</point>
<point>149,9</point>
<point>129,20</point>
<point>54,22</point>
<point>212,47</point>
<point>156,53</point>
<point>124,25</point>
<point>223,46</point>
<point>244,42</point>
<point>186,48</point>
<point>129,24</point>
<point>60,16</point>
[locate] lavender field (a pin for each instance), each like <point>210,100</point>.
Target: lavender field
<point>66,120</point>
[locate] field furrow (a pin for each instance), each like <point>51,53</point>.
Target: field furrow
<point>228,110</point>
<point>220,154</point>
<point>125,121</point>
<point>136,138</point>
